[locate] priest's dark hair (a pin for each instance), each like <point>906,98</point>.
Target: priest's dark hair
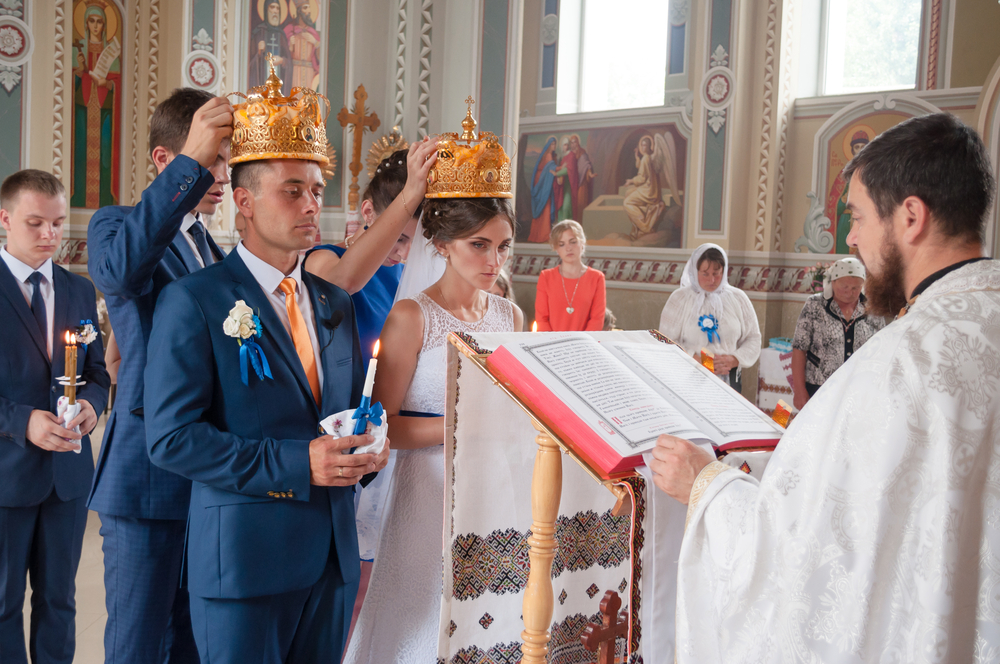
<point>388,181</point>
<point>936,158</point>
<point>447,219</point>
<point>171,120</point>
<point>29,179</point>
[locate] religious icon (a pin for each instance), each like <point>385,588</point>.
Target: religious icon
<point>267,36</point>
<point>304,43</point>
<point>543,194</point>
<point>97,94</point>
<point>855,138</point>
<point>655,159</point>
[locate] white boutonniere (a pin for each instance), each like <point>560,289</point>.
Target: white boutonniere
<point>243,325</point>
<point>86,333</point>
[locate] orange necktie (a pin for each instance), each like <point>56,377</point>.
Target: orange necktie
<point>300,335</point>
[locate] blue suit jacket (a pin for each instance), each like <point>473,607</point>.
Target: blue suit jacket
<point>133,253</point>
<point>256,526</point>
<point>28,382</point>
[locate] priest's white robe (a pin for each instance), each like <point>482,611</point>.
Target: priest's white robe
<point>874,533</point>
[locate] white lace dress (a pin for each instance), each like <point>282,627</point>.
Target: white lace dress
<point>399,617</point>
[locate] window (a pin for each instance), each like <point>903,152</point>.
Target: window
<point>612,54</point>
<point>870,45</point>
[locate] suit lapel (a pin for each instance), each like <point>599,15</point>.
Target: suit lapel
<point>183,251</point>
<point>247,289</point>
<point>61,321</point>
<point>216,249</point>
<point>10,288</point>
<point>324,336</point>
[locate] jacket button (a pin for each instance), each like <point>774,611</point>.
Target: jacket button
<point>270,493</point>
<point>189,179</point>
<point>55,388</point>
<point>291,495</point>
<point>184,187</point>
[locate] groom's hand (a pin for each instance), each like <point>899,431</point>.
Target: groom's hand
<point>329,466</point>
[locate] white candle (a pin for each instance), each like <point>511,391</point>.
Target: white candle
<point>370,378</point>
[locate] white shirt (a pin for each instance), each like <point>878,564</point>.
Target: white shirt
<point>189,220</point>
<point>21,273</point>
<point>269,278</point>
<point>739,331</point>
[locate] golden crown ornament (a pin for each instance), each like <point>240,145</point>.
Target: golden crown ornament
<point>268,125</point>
<point>470,166</point>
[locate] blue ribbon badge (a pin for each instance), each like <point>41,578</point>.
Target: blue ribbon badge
<point>366,413</point>
<point>251,353</point>
<point>709,324</point>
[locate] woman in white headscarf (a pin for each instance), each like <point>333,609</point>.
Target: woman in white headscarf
<point>707,312</point>
<point>832,325</point>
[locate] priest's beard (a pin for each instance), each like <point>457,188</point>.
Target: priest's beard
<point>884,292</point>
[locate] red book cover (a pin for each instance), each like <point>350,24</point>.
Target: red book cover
<point>556,415</point>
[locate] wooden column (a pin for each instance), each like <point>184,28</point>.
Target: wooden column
<point>546,491</point>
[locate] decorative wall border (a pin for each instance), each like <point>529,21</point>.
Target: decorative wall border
<point>399,102</point>
<point>424,71</point>
<point>786,100</point>
<point>134,161</point>
<point>782,275</point>
<point>58,86</point>
<point>764,154</point>
<point>933,45</point>
<point>154,73</point>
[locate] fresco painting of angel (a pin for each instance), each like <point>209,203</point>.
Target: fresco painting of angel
<point>655,159</point>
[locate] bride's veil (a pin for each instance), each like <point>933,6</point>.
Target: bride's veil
<point>424,265</point>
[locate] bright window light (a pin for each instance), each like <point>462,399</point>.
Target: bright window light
<point>612,54</point>
<point>871,45</point>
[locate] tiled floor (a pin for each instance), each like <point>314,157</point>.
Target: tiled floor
<point>90,612</point>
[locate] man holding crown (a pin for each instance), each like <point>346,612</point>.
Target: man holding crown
<point>245,358</point>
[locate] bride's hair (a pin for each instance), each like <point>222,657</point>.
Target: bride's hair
<point>447,219</point>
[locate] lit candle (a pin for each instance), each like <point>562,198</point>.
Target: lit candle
<point>71,367</point>
<point>534,326</point>
<point>370,378</point>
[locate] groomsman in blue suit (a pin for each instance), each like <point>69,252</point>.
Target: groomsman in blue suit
<point>272,557</point>
<point>45,467</point>
<point>133,254</point>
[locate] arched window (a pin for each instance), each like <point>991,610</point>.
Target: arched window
<point>613,54</point>
<point>868,46</point>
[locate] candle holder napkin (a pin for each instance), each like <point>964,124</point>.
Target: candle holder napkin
<point>364,419</point>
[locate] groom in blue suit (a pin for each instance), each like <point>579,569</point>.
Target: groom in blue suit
<point>272,557</point>
<point>45,467</point>
<point>133,254</point>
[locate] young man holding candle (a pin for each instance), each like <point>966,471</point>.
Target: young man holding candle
<point>43,509</point>
<point>133,253</point>
<point>245,358</point>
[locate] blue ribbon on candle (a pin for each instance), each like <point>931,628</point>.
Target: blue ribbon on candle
<point>251,353</point>
<point>709,324</point>
<point>366,413</point>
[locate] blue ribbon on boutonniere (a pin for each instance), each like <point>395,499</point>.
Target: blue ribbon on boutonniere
<point>366,413</point>
<point>86,333</point>
<point>251,354</point>
<point>709,324</point>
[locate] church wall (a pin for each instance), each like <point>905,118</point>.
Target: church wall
<point>975,44</point>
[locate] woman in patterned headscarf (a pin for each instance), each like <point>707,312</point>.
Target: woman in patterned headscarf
<point>832,325</point>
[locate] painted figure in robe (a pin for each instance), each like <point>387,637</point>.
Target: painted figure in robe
<point>567,182</point>
<point>655,157</point>
<point>268,36</point>
<point>836,204</point>
<point>303,44</point>
<point>585,171</point>
<point>543,195</point>
<point>97,79</point>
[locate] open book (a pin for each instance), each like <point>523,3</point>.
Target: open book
<point>609,395</point>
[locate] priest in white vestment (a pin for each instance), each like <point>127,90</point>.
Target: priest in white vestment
<point>874,533</point>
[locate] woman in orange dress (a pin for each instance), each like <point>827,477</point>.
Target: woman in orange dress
<point>571,295</point>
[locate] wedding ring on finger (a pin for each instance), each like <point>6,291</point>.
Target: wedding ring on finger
<point>340,472</point>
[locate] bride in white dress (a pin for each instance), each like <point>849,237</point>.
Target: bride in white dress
<point>399,617</point>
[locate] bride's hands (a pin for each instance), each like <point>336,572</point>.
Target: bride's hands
<point>419,161</point>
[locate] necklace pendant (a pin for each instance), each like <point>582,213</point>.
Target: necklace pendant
<point>569,310</point>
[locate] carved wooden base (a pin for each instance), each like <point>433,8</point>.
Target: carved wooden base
<point>546,491</point>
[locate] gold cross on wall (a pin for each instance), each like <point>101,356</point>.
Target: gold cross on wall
<point>360,122</point>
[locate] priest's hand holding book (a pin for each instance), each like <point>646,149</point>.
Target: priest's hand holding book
<point>676,464</point>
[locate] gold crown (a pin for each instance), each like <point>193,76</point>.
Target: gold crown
<point>383,148</point>
<point>478,169</point>
<point>271,126</point>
